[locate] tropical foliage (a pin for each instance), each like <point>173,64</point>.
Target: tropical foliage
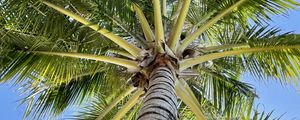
<point>97,54</point>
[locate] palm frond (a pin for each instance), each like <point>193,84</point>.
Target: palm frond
<point>218,81</point>
<point>53,100</point>
<point>223,95</point>
<point>97,106</point>
<point>114,103</point>
<point>236,11</point>
<point>184,92</point>
<point>129,104</point>
<point>231,79</point>
<point>280,48</point>
<point>209,23</point>
<point>20,64</point>
<point>262,64</point>
<point>211,107</point>
<point>135,51</point>
<point>271,55</point>
<point>126,28</point>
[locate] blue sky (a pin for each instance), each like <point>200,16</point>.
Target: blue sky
<point>272,95</point>
<point>9,109</point>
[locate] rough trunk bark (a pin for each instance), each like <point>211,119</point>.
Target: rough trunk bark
<point>160,102</point>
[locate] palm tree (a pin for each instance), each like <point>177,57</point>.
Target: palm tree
<point>133,59</point>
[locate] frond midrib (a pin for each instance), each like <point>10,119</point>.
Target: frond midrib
<point>200,59</point>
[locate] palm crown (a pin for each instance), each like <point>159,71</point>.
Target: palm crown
<point>64,53</point>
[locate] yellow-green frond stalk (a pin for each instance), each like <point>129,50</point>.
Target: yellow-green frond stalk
<point>132,65</point>
<point>189,39</point>
<point>176,31</point>
<point>224,47</point>
<point>144,23</point>
<point>159,29</point>
<point>115,102</point>
<point>135,51</point>
<point>184,64</point>
<point>184,92</point>
<point>122,53</point>
<point>131,102</point>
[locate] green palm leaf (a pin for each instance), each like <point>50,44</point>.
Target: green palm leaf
<point>265,46</point>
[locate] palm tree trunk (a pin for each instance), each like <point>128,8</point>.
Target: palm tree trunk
<point>161,100</point>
